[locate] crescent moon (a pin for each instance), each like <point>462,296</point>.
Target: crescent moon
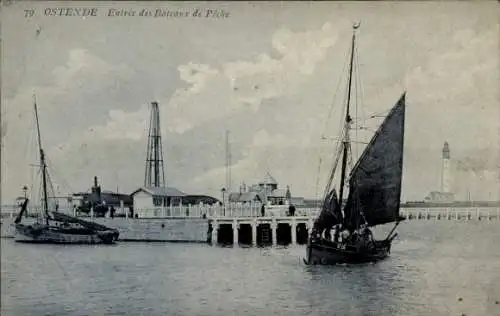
<point>356,25</point>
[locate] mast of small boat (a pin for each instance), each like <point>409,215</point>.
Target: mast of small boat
<point>43,165</point>
<point>345,140</point>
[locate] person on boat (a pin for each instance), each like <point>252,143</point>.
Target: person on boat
<point>328,235</point>
<point>336,234</point>
<point>367,234</point>
<point>345,237</point>
<point>345,234</point>
<point>364,239</point>
<point>354,236</point>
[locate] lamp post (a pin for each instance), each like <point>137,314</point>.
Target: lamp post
<point>223,191</point>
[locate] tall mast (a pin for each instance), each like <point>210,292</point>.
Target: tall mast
<point>42,164</point>
<point>228,163</point>
<point>345,141</point>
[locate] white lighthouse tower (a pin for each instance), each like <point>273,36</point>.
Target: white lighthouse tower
<point>446,170</point>
<point>445,194</point>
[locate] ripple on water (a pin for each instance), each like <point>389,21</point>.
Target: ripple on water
<point>431,267</point>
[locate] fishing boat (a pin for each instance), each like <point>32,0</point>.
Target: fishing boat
<point>374,184</point>
<point>54,226</point>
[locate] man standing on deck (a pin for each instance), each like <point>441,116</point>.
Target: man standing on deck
<point>366,239</point>
<point>336,234</point>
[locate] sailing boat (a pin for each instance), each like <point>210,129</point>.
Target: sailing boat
<point>57,227</point>
<point>373,198</point>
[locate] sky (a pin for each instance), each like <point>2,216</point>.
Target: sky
<point>270,73</point>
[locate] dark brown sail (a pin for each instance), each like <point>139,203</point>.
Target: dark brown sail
<point>330,214</point>
<point>375,181</point>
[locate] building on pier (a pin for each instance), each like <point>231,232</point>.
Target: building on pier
<point>148,197</point>
<point>265,191</point>
<point>99,200</point>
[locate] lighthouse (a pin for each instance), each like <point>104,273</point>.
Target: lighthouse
<point>446,169</point>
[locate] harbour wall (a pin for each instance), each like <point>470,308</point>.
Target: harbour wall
<point>143,229</point>
<point>253,229</point>
<point>159,229</point>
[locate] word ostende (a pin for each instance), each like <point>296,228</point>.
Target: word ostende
<point>70,12</point>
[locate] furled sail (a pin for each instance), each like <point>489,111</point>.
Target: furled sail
<point>375,181</point>
<point>330,213</point>
<point>61,217</point>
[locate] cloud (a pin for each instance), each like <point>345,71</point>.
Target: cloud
<point>214,92</point>
<point>454,96</point>
<point>81,66</point>
<point>462,65</point>
<point>197,76</point>
<point>250,165</point>
<point>83,73</point>
<point>268,77</point>
<point>273,92</point>
<point>274,153</point>
<point>209,93</point>
<point>441,91</point>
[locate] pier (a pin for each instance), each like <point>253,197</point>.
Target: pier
<point>260,231</point>
<point>284,230</point>
<point>241,225</point>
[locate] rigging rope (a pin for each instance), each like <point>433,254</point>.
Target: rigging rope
<point>330,113</point>
<point>339,147</point>
<point>59,178</point>
<point>342,132</point>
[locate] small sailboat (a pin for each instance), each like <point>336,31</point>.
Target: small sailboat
<point>54,226</point>
<point>374,185</point>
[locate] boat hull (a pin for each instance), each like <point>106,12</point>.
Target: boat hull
<point>56,235</point>
<point>331,254</point>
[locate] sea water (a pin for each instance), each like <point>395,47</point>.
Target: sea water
<point>436,268</point>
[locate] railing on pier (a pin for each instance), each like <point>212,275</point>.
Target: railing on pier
<point>255,210</point>
<point>231,210</point>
